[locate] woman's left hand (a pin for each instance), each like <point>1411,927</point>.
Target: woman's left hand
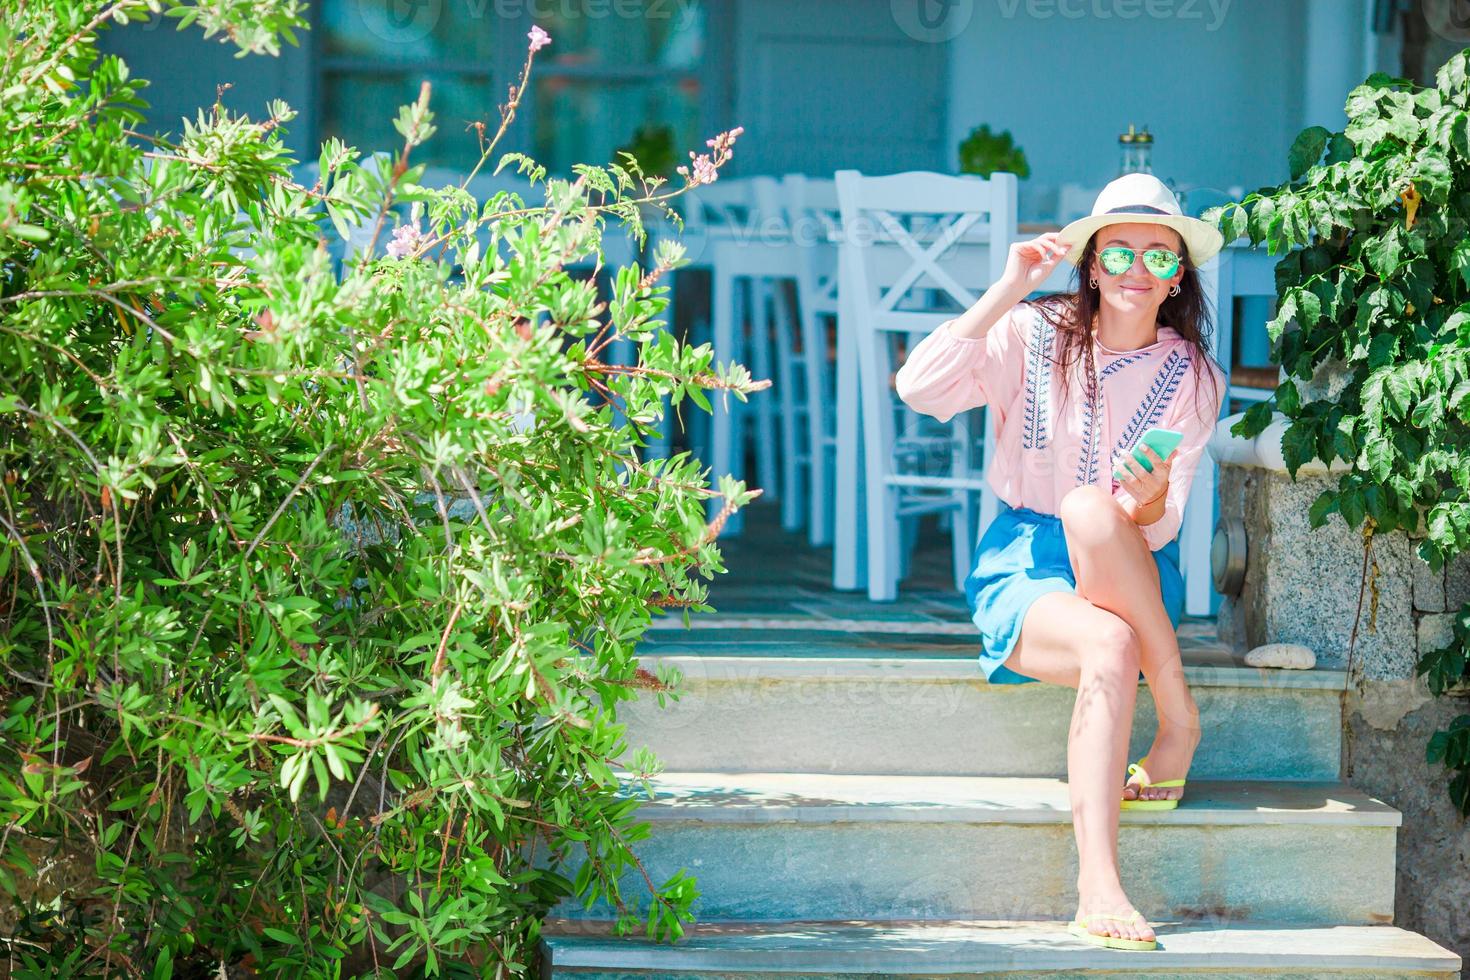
<point>1144,486</point>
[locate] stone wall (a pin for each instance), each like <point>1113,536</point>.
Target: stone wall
<point>1302,585</point>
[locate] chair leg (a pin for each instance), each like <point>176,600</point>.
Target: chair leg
<point>762,404</point>
<point>795,402</point>
<point>1194,541</point>
<point>882,520</point>
<point>723,435</point>
<point>962,538</point>
<point>818,395</point>
<point>989,502</point>
<point>849,553</point>
<point>908,537</point>
<point>661,440</point>
<point>739,414</point>
<point>699,423</point>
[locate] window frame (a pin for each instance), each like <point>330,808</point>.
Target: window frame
<point>713,73</point>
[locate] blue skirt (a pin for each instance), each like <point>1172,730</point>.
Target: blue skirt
<point>1021,557</point>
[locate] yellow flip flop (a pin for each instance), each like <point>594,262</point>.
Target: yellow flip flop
<point>1140,804</point>
<point>1078,928</point>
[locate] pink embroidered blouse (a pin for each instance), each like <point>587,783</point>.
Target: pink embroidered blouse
<point>1045,448</point>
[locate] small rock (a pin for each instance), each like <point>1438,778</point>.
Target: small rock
<point>1292,656</point>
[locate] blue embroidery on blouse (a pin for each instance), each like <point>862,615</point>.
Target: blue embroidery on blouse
<point>1092,416</point>
<point>1121,362</point>
<point>1151,409</point>
<point>1036,424</point>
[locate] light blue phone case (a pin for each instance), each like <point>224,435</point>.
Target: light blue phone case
<point>1161,441</point>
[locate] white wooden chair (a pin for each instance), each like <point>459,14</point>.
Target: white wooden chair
<point>1237,273</point>
<point>706,215</point>
<point>748,249</point>
<point>1247,275</point>
<point>816,224</point>
<point>902,234</point>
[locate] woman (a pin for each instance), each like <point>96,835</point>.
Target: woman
<point>1077,581</point>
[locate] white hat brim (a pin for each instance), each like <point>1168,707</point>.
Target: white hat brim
<point>1202,240</point>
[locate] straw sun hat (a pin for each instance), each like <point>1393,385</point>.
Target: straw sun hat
<point>1143,198</point>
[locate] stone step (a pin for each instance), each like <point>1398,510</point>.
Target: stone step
<point>769,846</point>
<point>936,715</point>
<point>993,949</point>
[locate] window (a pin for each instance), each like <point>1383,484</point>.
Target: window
<point>613,66</point>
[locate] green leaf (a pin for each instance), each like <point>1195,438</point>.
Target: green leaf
<point>1254,420</point>
<point>1287,398</point>
<point>1351,506</point>
<point>1298,445</point>
<point>1382,252</point>
<point>1339,149</point>
<point>1401,388</point>
<point>1380,458</point>
<point>1460,260</point>
<point>1382,350</point>
<point>1324,505</point>
<point>1306,150</point>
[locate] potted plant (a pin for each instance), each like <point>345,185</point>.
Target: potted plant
<point>984,153</point>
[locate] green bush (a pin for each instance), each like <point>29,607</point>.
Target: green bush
<point>1374,227</point>
<point>983,152</point>
<point>321,584</point>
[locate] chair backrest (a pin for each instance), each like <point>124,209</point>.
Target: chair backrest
<point>902,234</point>
<point>812,209</point>
<point>724,205</point>
<point>911,231</point>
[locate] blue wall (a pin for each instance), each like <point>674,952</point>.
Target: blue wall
<point>1220,83</point>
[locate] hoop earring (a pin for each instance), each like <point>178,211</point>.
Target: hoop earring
<point>1092,283</point>
<point>1174,290</point>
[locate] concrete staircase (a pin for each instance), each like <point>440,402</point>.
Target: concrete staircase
<point>871,815</point>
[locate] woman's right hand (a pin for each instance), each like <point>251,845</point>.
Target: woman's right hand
<point>1030,262</point>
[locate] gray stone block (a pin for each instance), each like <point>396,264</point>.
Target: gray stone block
<point>1429,585</point>
<point>1436,630</point>
<point>1457,582</point>
<point>1302,584</point>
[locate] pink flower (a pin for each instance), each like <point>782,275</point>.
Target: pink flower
<point>705,171</point>
<point>406,240</point>
<point>539,38</point>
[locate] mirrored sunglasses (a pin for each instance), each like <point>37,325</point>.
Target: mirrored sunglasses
<point>1116,260</point>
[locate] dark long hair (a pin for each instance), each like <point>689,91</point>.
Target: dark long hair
<point>1071,316</point>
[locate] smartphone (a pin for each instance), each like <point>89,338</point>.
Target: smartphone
<point>1161,441</point>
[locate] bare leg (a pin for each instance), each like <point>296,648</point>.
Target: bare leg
<point>1067,640</point>
<point>1116,571</point>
